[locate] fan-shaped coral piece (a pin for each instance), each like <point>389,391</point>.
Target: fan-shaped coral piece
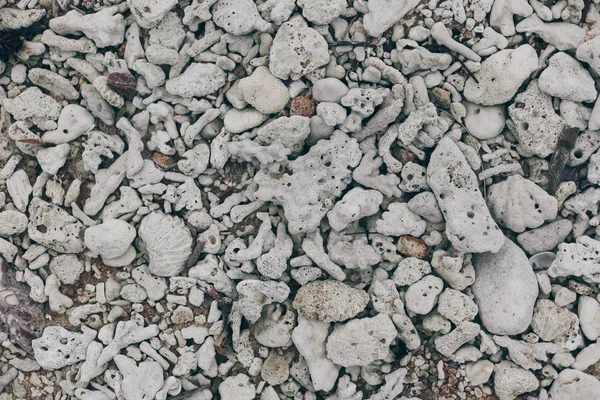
<point>168,243</point>
<point>518,204</point>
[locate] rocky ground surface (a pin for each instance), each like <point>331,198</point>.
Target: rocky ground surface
<point>299,199</point>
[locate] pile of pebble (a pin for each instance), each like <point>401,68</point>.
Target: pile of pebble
<point>299,199</point>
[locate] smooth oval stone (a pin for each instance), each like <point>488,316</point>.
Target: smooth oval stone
<point>484,122</point>
<point>505,289</point>
<point>329,89</point>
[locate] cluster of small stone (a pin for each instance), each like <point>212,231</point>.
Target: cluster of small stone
<point>299,199</point>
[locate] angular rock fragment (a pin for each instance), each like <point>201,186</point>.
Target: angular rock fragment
<point>330,301</point>
<point>359,342</point>
<point>534,122</point>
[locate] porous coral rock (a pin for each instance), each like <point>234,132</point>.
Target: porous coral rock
<point>356,204</point>
<point>588,311</point>
<point>238,17</point>
<point>210,270</point>
<point>518,203</point>
<point>33,106</point>
<point>53,82</point>
<point>58,302</point>
<point>457,191</point>
<point>501,75</point>
<point>313,248</point>
<point>53,227</point>
<point>322,12</point>
<point>526,354</point>
<point>503,12</point>
<point>330,301</point>
<point>249,151</point>
<point>562,35</point>
<point>425,205</point>
<point>456,306</point>
<point>577,259</point>
<point>363,101</point>
<point>67,268</point>
<point>289,131</point>
<point>12,222</point>
<point>410,270</point>
<point>199,79</point>
<point>422,295</point>
<point>588,52</point>
<point>399,220</point>
<point>405,133</point>
<point>534,122</point>
<point>52,159</point>
<point>237,387</point>
<point>328,163</point>
<point>511,381</point>
<point>141,381</point>
<point>545,238</point>
<point>274,328</point>
<point>448,344</point>
<point>420,58</point>
<point>352,253</point>
<point>19,189</point>
<point>359,343</point>
<point>17,18</point>
<point>557,324</point>
<point>149,13</point>
<point>566,78</point>
<point>297,50</point>
<point>367,174</point>
<point>484,122</point>
<point>264,92</point>
<point>59,347</point>
<point>255,294</point>
<point>571,383</point>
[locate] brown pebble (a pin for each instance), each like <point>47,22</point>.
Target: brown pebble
<point>402,155</point>
<point>122,83</point>
<point>240,72</point>
<point>302,106</point>
<point>412,247</point>
<point>163,161</point>
<point>441,97</point>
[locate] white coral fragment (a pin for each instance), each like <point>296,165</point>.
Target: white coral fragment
<point>59,347</point>
<point>305,203</point>
<point>355,204</point>
<point>106,27</point>
<point>518,204</point>
<point>168,243</point>
<point>400,220</point>
<point>577,259</point>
